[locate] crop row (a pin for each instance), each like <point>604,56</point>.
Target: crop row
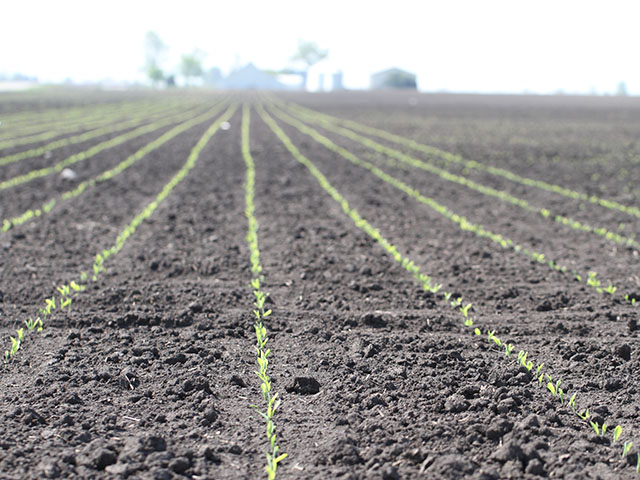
<point>79,189</point>
<point>38,123</point>
<point>462,222</point>
<point>39,120</point>
<point>83,137</point>
<point>541,377</point>
<point>97,148</point>
<point>475,165</point>
<point>91,121</point>
<point>67,291</point>
<point>472,185</point>
<point>271,400</point>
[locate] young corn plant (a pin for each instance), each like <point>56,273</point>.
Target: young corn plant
<point>271,400</point>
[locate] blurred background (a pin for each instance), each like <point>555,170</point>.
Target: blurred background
<point>513,47</point>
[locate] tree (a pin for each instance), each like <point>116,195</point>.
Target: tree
<point>308,53</point>
<point>155,51</point>
<point>191,65</point>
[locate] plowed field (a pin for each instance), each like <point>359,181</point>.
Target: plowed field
<point>452,283</point>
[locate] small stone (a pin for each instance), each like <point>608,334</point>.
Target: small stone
<point>195,307</point>
<point>208,453</point>
<point>236,380</point>
<point>456,403</point>
<point>304,386</point>
<point>624,351</point>
<point>68,174</point>
<point>374,319</point>
<point>235,449</point>
<point>179,464</point>
<point>178,358</point>
<point>103,458</point>
<point>118,469</point>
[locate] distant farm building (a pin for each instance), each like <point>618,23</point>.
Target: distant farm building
<point>250,77</point>
<point>393,78</point>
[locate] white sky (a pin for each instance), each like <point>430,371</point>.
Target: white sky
<point>456,45</point>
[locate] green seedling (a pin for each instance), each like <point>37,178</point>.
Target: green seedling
<point>64,302</point>
<point>572,402</point>
<point>465,310</point>
<point>477,332</point>
<point>584,415</point>
<point>51,303</point>
<point>603,429</point>
<point>15,346</point>
<point>508,348</point>
<point>596,427</point>
<point>64,290</point>
<point>76,287</point>
<point>447,296</point>
<point>610,289</point>
<point>627,447</point>
<point>616,433</point>
<point>456,302</point>
<point>638,464</point>
<point>468,322</point>
<point>34,324</point>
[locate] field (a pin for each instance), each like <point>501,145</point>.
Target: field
<point>349,285</point>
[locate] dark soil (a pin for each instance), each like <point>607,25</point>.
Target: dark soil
<point>151,373</point>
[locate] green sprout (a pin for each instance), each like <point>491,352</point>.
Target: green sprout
<point>64,290</point>
<point>477,332</point>
<point>596,427</point>
<point>33,324</point>
<point>468,322</point>
<point>610,289</point>
<point>572,402</point>
<point>465,310</point>
<point>616,433</point>
<point>627,447</point>
<point>508,348</point>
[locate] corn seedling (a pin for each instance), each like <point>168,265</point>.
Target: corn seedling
<point>627,447</point>
<point>616,433</point>
<point>271,399</point>
<point>34,324</point>
<point>508,348</point>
